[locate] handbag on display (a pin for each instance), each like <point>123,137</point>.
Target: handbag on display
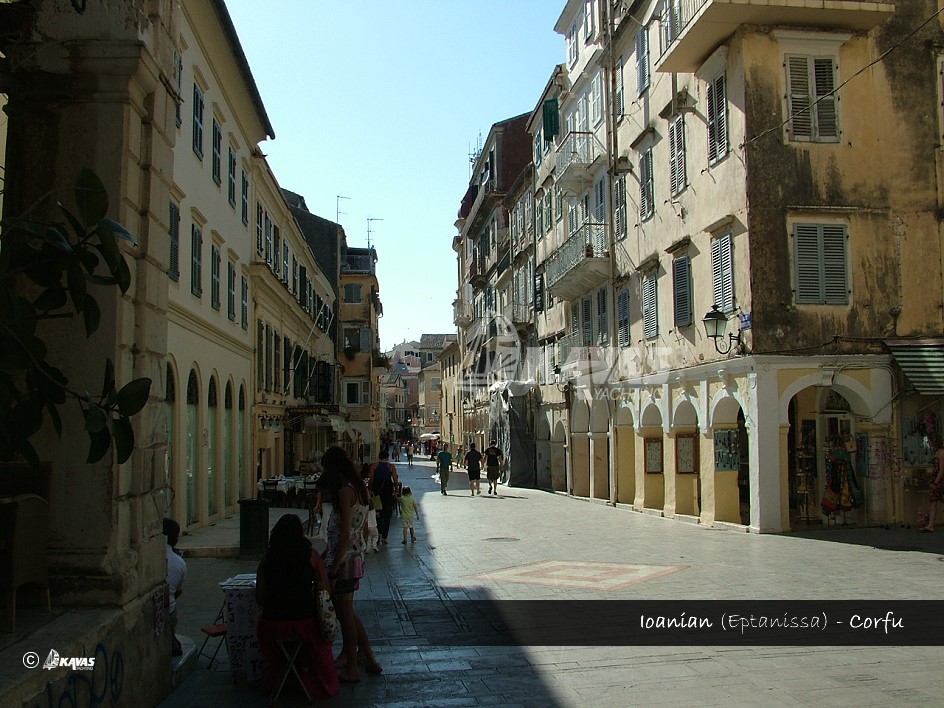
<point>327,617</point>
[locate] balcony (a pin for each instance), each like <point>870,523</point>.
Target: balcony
<point>581,264</point>
<point>461,313</point>
<point>693,29</point>
<point>477,274</point>
<point>578,156</point>
<point>520,313</point>
<point>358,263</point>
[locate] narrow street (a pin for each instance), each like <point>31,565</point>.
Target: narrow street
<point>530,545</point>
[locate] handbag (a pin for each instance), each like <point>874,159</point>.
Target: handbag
<point>376,502</point>
<point>327,617</point>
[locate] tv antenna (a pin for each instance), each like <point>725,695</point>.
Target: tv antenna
<point>338,212</point>
<point>370,219</point>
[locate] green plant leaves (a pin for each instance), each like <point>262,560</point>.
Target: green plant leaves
<point>123,435</point>
<point>91,197</point>
<point>133,395</point>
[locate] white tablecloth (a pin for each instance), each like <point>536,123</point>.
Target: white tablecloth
<point>285,484</point>
<point>241,615</point>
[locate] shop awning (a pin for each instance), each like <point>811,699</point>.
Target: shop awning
<point>922,360</point>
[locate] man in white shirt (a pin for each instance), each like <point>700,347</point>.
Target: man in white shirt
<point>176,573</point>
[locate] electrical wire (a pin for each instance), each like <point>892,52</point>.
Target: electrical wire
<point>836,90</point>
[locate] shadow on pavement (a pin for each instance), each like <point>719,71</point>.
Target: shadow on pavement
<point>890,539</point>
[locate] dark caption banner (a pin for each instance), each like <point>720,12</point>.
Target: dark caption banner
<point>677,623</point>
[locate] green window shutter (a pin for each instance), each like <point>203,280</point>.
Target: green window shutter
<point>835,275</point>
<point>722,272</point>
<point>574,322</point>
<point>649,306</point>
<point>646,192</point>
<point>677,155</point>
<point>603,328</point>
<point>622,312</point>
<point>551,114</point>
<point>587,321</point>
<point>196,260</point>
<point>799,98</point>
<point>682,284</point>
<point>807,257</point>
<point>260,354</point>
<point>173,268</point>
<point>827,117</point>
<point>717,120</point>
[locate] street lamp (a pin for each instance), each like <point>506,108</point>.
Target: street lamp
<point>715,324</point>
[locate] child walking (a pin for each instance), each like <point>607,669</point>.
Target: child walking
<point>409,511</point>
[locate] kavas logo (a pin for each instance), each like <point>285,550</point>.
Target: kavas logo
<point>54,661</point>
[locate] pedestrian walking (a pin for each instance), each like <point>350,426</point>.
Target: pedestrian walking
<point>382,478</point>
<point>493,461</point>
<point>344,558</point>
<point>460,456</point>
<point>409,455</point>
<point>937,484</point>
<point>409,512</point>
<point>444,464</point>
<point>473,464</point>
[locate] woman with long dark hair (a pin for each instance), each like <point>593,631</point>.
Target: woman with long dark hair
<point>287,579</point>
<point>344,556</point>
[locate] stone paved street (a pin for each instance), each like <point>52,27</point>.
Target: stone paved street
<point>529,545</point>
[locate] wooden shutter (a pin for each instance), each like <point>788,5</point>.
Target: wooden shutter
<point>835,275</point>
<point>365,339</point>
<point>618,100</point>
<point>722,272</point>
<point>649,306</point>
<point>806,254</point>
<point>682,288</point>
<point>587,321</point>
<point>646,196</point>
<point>622,314</point>
<point>259,218</point>
<point>799,98</point>
<point>600,201</point>
<point>827,117</point>
<point>642,59</point>
<point>574,322</point>
<point>603,329</point>
<point>215,276</point>
<point>619,202</point>
<point>539,292</point>
<point>173,269</point>
<point>677,155</point>
<point>717,120</point>
<point>196,262</point>
<point>260,354</point>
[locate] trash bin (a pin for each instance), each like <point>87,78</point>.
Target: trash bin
<point>253,526</point>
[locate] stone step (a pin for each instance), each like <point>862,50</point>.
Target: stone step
<point>184,665</point>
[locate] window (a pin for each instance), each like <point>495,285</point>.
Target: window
<point>268,239</point>
<point>595,99</point>
<point>215,277</point>
<point>231,291</point>
<point>717,111</point>
<point>722,272</point>
<point>603,328</point>
<point>268,358</point>
<point>821,261</point>
<point>356,393</point>
<point>599,201</point>
<point>811,80</point>
<point>352,293</point>
<point>260,354</point>
<point>622,317</point>
<point>294,275</point>
<point>539,216</point>
<point>677,155</point>
<point>619,204</point>
<point>650,301</point>
<point>559,203</point>
<point>179,71</point>
<point>276,250</point>
<point>285,261</point>
<point>245,190</point>
<point>244,302</point>
<point>618,96</point>
<point>548,211</point>
<point>588,28</point>
<point>217,163</point>
<point>586,329</point>
<point>259,219</point>
<point>682,290</point>
<point>642,60</point>
<point>538,151</point>
<point>198,121</point>
<point>572,44</point>
<point>277,362</point>
<point>196,260</point>
<point>646,190</point>
<point>173,266</point>
<point>231,178</point>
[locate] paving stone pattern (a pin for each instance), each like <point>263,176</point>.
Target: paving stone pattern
<point>531,545</point>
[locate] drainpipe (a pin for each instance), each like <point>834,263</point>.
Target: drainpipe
<point>612,154</point>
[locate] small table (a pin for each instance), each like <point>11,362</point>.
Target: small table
<point>241,614</point>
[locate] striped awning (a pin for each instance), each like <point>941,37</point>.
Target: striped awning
<point>922,360</point>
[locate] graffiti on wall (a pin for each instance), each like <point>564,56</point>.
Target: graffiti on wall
<point>101,686</point>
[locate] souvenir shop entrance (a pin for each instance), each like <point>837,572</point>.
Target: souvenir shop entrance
<point>824,487</point>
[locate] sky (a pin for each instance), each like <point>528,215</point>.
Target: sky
<point>382,103</point>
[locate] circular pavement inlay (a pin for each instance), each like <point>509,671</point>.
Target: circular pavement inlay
<point>502,539</point>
